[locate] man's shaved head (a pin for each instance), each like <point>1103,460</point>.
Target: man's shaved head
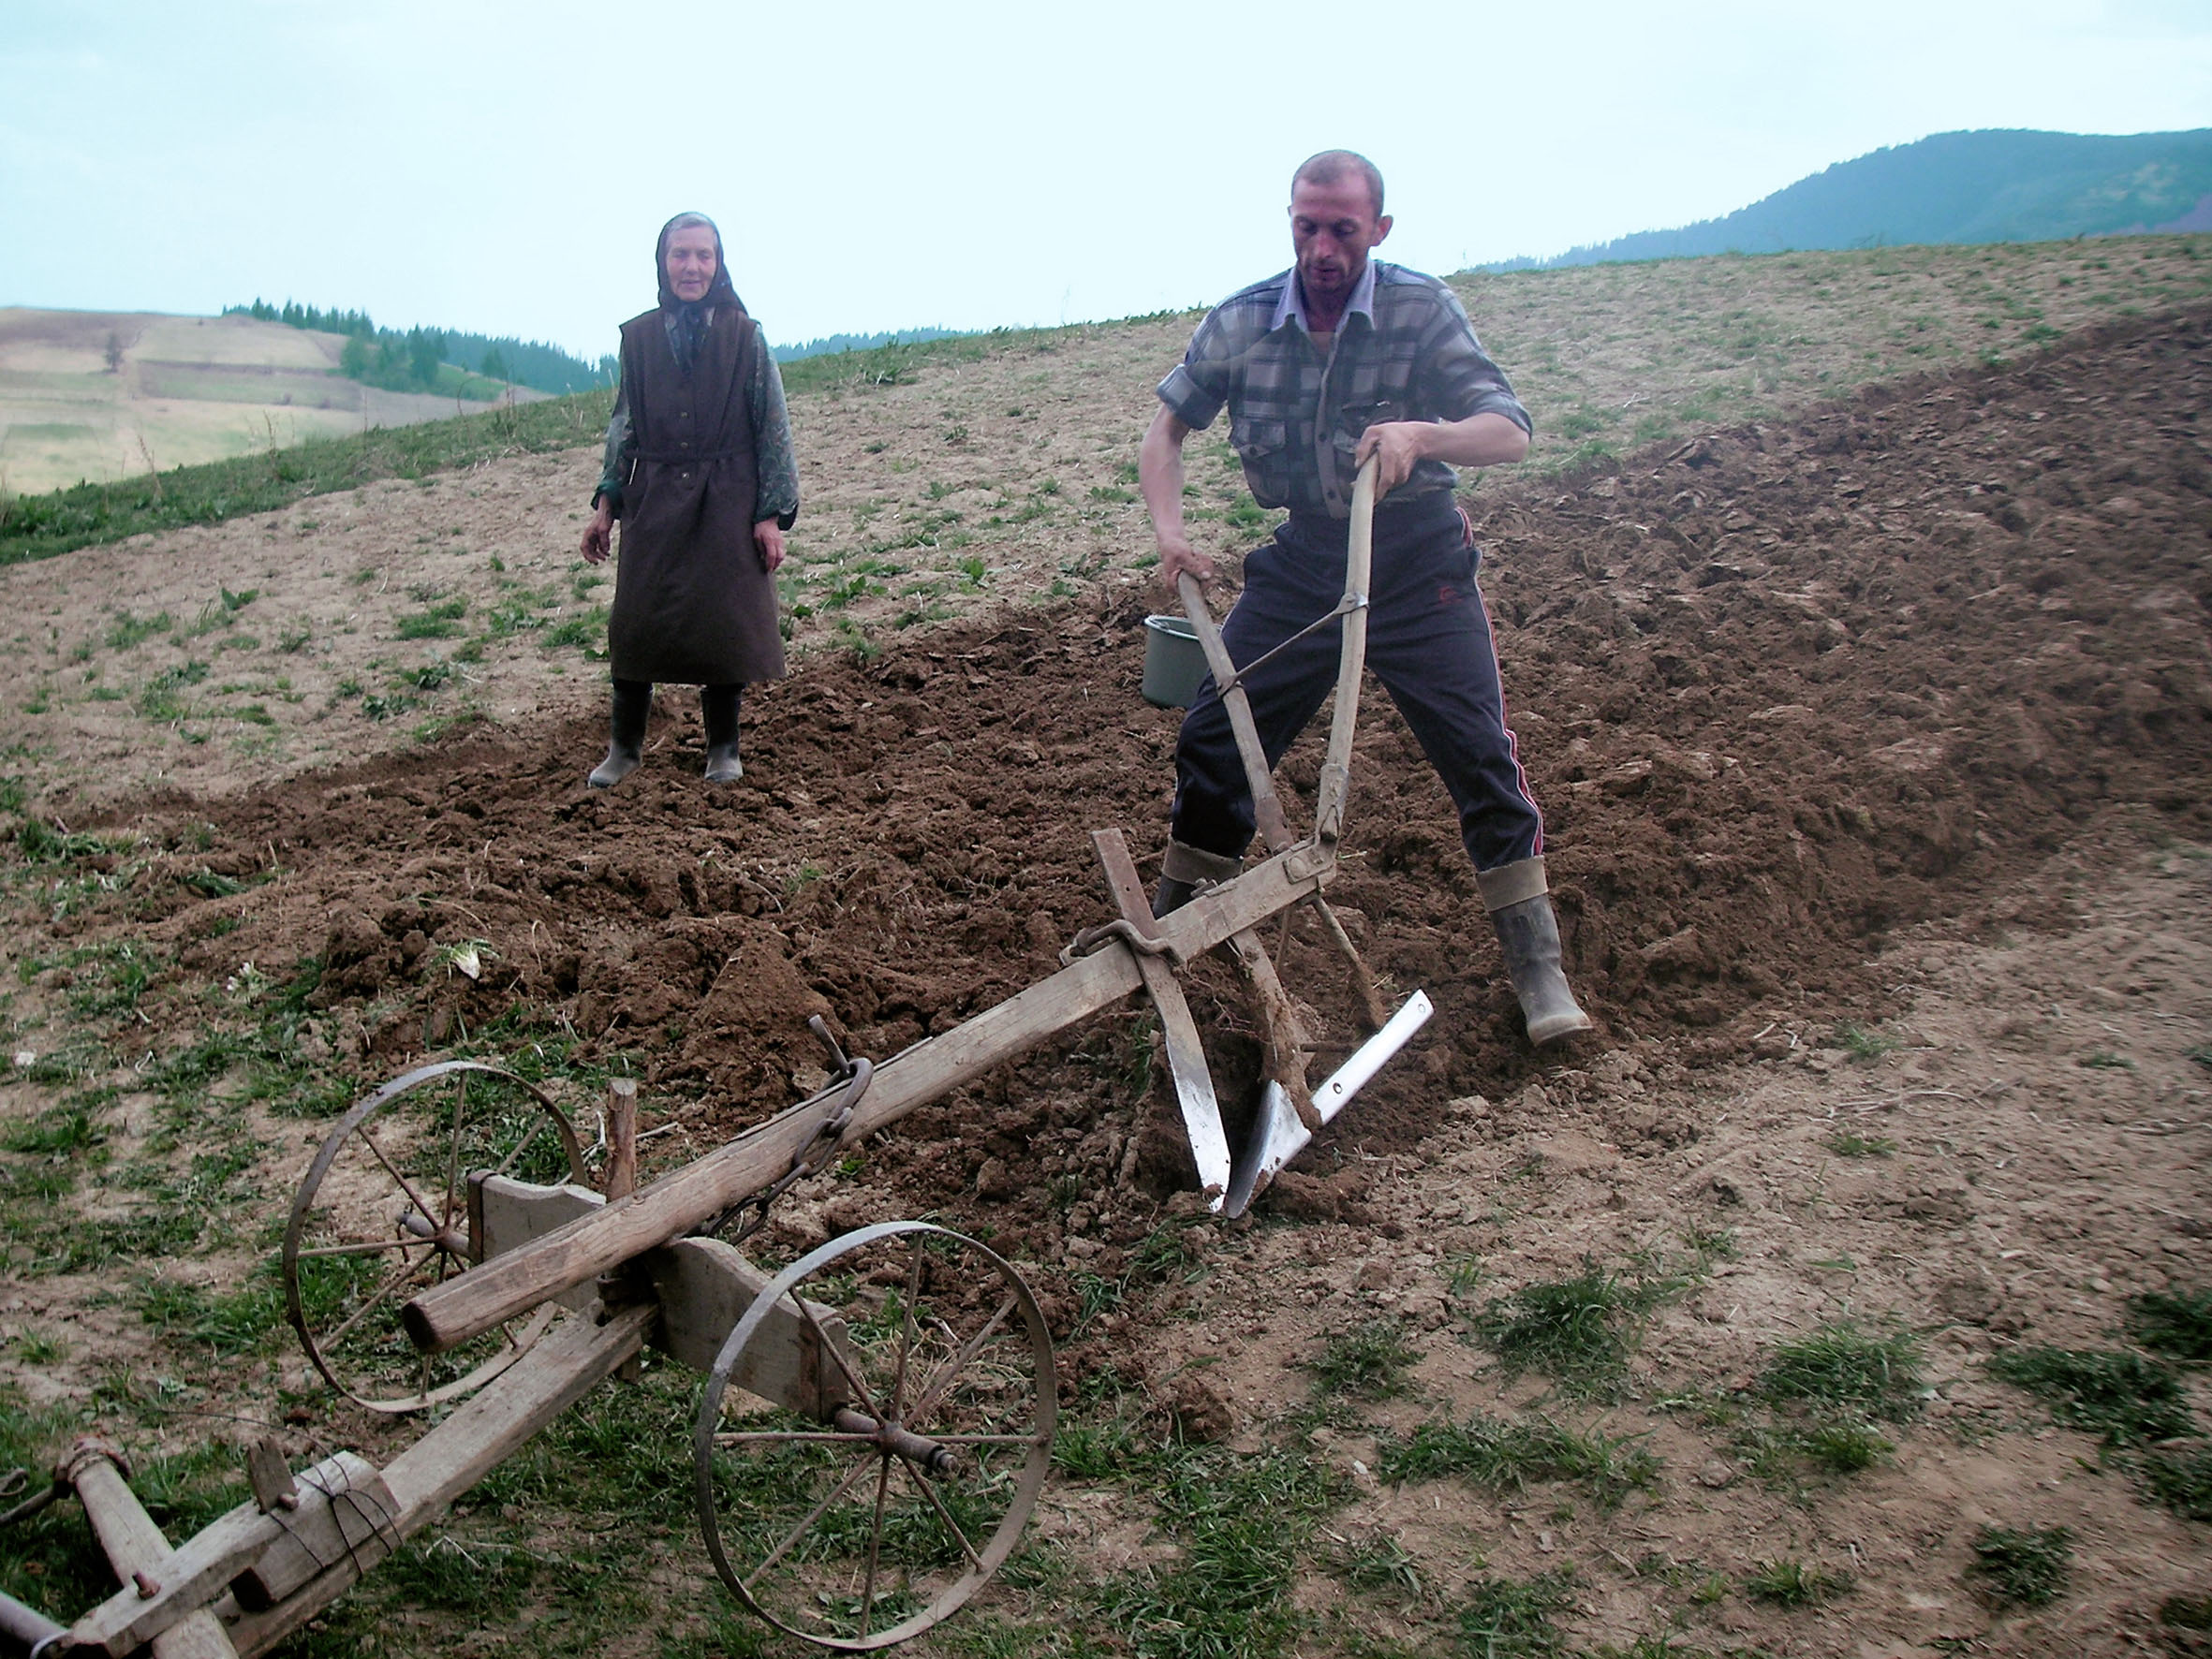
<point>1332,166</point>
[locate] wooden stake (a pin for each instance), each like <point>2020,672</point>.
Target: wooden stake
<point>622,1137</point>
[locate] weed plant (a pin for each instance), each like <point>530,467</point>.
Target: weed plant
<point>1377,1564</point>
<point>1862,1044</point>
<point>1843,1366</point>
<point>1790,1583</point>
<point>2021,1568</point>
<point>1501,1618</point>
<point>1367,1362</point>
<point>1104,1435</point>
<point>1845,1144</point>
<point>1244,1527</point>
<point>2180,1477</point>
<point>1657,1644</point>
<point>1167,1253</point>
<point>1578,1331</point>
<point>1777,1453</point>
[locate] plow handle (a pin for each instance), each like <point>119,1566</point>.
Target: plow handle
<point>1336,782</point>
<point>1267,812</point>
<point>1328,814</point>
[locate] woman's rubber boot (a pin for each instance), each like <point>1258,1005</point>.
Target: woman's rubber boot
<point>717,705</point>
<point>626,743</point>
<point>1519,900</point>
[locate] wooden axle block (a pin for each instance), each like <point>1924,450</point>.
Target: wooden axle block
<point>703,1286</point>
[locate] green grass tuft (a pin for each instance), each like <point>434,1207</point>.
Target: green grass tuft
<point>2023,1568</point>
<point>1511,1456</point>
<point>1367,1363</point>
<point>2125,1398</point>
<point>2186,1612</point>
<point>1779,1453</point>
<point>2180,1477</point>
<point>1511,1619</point>
<point>1379,1563</point>
<point>1578,1331</point>
<point>1863,1045</point>
<point>1244,1525</point>
<point>2176,1323</point>
<point>1790,1583</point>
<point>1845,1144</point>
<point>1877,1375</point>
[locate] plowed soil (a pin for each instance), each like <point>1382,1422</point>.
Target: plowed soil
<point>1783,693</point>
<point>1896,715</point>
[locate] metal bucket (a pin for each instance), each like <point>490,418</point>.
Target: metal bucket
<point>1174,662</point>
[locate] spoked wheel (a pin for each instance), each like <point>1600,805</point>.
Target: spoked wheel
<point>872,1526</point>
<point>384,1213</point>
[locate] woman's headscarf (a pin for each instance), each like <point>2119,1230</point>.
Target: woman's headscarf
<point>690,317</point>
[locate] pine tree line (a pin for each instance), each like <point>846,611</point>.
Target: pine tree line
<point>410,360</point>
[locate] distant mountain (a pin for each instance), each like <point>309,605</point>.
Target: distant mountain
<point>1955,187</point>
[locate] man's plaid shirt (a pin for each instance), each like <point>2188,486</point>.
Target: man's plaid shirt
<point>1404,350</point>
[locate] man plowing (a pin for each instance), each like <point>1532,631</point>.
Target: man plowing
<point>1338,358</point>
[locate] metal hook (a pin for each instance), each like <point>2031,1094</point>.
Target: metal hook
<point>839,1062</point>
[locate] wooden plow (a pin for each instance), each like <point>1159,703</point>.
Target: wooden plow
<point>876,1420</point>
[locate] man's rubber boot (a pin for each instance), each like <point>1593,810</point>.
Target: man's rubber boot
<point>717,705</point>
<point>1520,906</point>
<point>626,743</point>
<point>1184,871</point>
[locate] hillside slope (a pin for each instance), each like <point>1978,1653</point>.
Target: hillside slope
<point>1959,187</point>
<point>1877,744</point>
<point>100,395</point>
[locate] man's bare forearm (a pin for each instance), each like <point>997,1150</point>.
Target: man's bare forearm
<point>1159,474</point>
<point>1480,440</point>
<point>1488,439</point>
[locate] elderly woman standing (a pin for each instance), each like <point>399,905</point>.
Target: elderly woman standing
<point>699,471</point>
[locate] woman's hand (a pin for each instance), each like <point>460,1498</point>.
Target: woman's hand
<point>768,535</point>
<point>598,536</point>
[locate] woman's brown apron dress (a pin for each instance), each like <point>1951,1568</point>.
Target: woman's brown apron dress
<point>693,604</point>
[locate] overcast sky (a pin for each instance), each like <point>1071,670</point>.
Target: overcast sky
<point>503,167</point>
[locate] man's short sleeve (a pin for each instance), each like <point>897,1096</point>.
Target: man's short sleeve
<point>1459,380</point>
<point>1197,387</point>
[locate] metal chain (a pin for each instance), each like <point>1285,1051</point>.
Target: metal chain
<point>1120,928</point>
<point>852,1077</point>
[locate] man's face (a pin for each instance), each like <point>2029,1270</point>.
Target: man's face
<point>691,262</point>
<point>1332,227</point>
